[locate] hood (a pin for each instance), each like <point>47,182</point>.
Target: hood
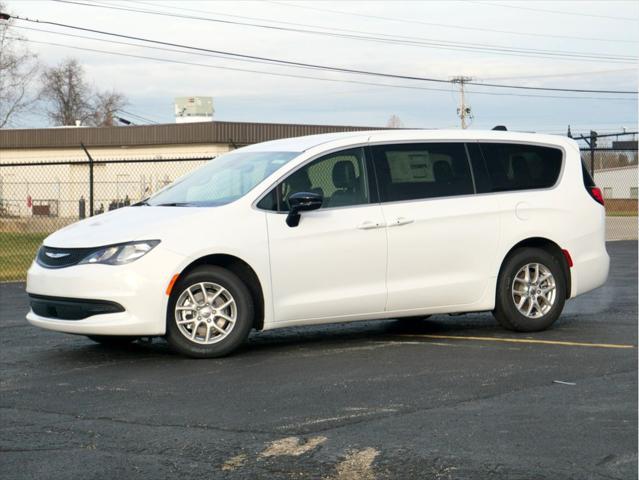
<point>121,225</point>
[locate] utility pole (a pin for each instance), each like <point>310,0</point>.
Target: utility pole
<point>463,110</point>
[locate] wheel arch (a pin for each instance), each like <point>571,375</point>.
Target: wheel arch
<point>551,247</point>
<point>243,270</point>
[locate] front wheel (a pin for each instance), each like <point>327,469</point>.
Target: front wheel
<point>531,291</point>
<point>210,313</point>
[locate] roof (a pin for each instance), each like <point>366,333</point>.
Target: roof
<point>241,134</point>
<point>300,144</point>
<point>235,133</point>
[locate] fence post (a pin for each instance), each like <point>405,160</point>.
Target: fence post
<point>90,178</point>
<point>91,186</point>
<point>593,145</point>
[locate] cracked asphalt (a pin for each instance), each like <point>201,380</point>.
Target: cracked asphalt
<point>369,400</point>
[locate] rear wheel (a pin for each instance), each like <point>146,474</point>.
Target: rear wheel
<point>531,291</point>
<point>210,313</point>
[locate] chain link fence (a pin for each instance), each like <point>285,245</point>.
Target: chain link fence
<point>38,199</point>
<point>615,173</point>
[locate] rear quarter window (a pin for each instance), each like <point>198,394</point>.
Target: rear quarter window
<point>512,166</point>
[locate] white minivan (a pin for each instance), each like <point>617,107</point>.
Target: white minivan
<point>333,228</point>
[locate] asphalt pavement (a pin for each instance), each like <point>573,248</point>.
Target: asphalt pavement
<point>443,398</point>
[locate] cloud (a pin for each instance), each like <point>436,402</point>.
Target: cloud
<point>151,85</point>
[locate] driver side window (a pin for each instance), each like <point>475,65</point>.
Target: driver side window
<point>339,177</point>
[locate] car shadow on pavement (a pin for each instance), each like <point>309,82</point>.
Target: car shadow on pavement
<point>363,332</point>
<point>354,334</point>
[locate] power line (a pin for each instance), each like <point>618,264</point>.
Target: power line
<point>277,74</point>
<point>559,12</point>
<point>210,55</point>
<point>290,75</point>
<point>131,44</point>
<point>140,117</point>
<point>316,66</point>
<point>562,75</point>
<point>401,40</point>
<point>164,49</point>
<point>443,25</point>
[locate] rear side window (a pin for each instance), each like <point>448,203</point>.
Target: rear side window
<point>511,166</point>
<point>422,170</point>
<point>588,181</point>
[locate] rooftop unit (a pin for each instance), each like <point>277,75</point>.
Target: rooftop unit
<point>193,109</point>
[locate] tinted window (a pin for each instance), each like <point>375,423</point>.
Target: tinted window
<point>511,166</point>
<point>270,201</point>
<point>422,170</point>
<point>588,181</point>
<point>339,177</point>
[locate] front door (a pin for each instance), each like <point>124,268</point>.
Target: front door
<point>333,264</point>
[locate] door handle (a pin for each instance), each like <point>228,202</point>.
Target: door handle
<point>369,225</point>
<point>401,221</point>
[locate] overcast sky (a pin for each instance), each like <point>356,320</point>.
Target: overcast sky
<point>608,29</point>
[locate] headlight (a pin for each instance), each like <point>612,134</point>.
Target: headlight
<point>121,254</point>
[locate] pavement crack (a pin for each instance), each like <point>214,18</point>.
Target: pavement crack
<point>410,411</point>
<point>140,423</point>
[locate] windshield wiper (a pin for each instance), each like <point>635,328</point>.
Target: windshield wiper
<point>172,204</point>
<point>143,203</point>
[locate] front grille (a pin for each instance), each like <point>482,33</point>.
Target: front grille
<point>71,308</point>
<point>50,257</point>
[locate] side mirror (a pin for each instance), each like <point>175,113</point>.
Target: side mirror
<point>302,202</point>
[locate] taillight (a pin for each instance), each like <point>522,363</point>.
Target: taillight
<point>595,193</point>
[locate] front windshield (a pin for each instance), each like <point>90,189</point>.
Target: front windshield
<point>222,180</point>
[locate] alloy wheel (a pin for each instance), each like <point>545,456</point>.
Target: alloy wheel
<point>534,290</point>
<point>205,313</point>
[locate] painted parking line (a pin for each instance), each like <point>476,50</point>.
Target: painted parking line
<point>522,340</point>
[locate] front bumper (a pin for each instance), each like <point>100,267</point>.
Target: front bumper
<point>139,288</point>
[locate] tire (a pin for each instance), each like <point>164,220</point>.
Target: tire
<point>215,334</point>
<point>550,306</point>
<point>112,340</point>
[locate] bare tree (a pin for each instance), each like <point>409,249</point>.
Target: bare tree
<point>18,69</point>
<point>394,122</point>
<point>70,99</point>
<point>105,105</point>
<point>66,93</point>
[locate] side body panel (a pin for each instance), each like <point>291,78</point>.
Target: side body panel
<point>444,256</point>
<point>565,215</point>
<point>327,266</point>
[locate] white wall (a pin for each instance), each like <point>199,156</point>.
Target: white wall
<point>617,182</point>
<point>62,186</point>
